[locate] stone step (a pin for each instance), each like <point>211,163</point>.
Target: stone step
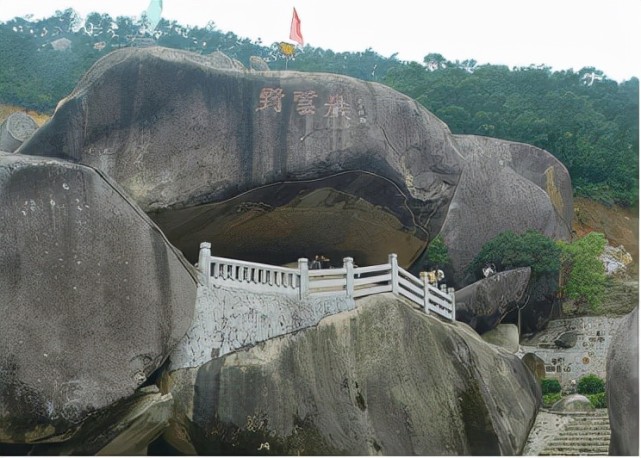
<point>591,420</point>
<point>561,450</point>
<point>588,419</point>
<point>590,414</point>
<point>588,432</point>
<point>597,424</point>
<point>578,443</point>
<point>573,453</point>
<point>581,440</point>
<point>587,428</point>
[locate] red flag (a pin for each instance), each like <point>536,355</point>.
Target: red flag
<point>295,33</point>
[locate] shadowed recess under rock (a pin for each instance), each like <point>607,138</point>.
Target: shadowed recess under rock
<point>357,214</point>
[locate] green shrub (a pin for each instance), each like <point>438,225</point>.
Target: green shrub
<point>509,250</point>
<point>598,400</point>
<point>586,279</point>
<point>437,254</point>
<point>550,399</point>
<point>590,384</point>
<point>550,385</point>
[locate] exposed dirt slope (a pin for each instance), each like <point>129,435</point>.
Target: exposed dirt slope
<point>620,225</point>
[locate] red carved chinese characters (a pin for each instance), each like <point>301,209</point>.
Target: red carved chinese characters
<point>305,102</point>
<point>271,98</point>
<point>337,107</point>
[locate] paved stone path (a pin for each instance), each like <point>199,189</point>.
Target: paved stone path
<point>569,434</point>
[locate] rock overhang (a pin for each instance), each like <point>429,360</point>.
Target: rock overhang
<point>356,214</point>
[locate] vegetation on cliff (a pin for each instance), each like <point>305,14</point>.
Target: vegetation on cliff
<point>576,264</point>
<point>510,250</point>
<point>583,275</point>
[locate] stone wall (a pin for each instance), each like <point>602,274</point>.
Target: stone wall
<point>586,356</point>
<point>227,319</point>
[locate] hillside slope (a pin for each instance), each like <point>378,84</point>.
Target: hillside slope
<point>620,225</point>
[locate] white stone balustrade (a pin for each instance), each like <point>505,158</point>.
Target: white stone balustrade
<point>348,281</point>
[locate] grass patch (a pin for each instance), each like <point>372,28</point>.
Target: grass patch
<point>550,399</point>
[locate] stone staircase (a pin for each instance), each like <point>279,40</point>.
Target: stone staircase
<point>588,433</point>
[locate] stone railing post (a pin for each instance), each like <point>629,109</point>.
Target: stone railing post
<point>393,262</point>
<point>303,270</point>
<point>204,262</point>
<point>451,293</point>
<point>426,291</point>
<point>348,264</point>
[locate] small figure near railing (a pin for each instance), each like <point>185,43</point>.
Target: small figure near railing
<point>319,262</point>
<point>349,280</point>
<point>435,277</point>
<point>488,270</point>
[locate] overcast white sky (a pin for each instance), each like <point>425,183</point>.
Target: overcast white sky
<point>562,34</point>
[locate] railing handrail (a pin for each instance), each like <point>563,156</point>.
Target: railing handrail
<point>347,280</point>
<point>238,262</point>
<point>410,277</point>
<point>371,269</point>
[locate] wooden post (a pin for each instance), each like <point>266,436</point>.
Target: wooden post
<point>451,293</point>
<point>426,291</point>
<point>204,262</point>
<point>303,270</point>
<point>393,262</point>
<point>348,264</point>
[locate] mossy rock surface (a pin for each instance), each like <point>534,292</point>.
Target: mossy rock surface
<point>382,379</point>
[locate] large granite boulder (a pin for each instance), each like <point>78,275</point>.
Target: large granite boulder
<point>14,130</point>
<point>566,339</point>
<point>126,427</point>
<point>572,403</point>
<point>92,297</point>
<point>313,163</point>
<point>485,303</point>
<point>508,186</point>
<point>274,166</point>
<point>383,379</point>
<point>504,186</point>
<point>535,364</point>
<point>541,304</point>
<point>258,64</point>
<point>622,386</point>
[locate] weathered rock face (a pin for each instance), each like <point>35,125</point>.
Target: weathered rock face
<point>542,303</point>
<point>505,336</point>
<point>124,428</point>
<point>344,167</point>
<point>623,387</point>
<point>176,132</point>
<point>566,339</point>
<point>535,364</point>
<point>227,319</point>
<point>361,382</point>
<point>504,186</point>
<point>485,303</point>
<point>17,128</point>
<point>258,64</point>
<point>92,297</point>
